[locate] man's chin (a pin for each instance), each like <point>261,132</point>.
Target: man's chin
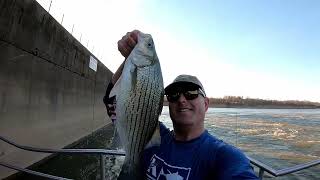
<point>182,121</point>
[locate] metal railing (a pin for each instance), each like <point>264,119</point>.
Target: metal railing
<point>262,167</point>
<point>100,152</point>
<point>265,168</point>
<point>32,172</point>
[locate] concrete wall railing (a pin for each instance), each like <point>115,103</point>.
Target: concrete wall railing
<point>49,97</point>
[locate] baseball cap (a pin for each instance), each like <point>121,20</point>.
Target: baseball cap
<point>184,80</point>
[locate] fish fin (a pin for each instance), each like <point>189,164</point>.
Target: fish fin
<point>116,87</point>
<point>155,139</point>
<point>161,103</point>
<point>116,142</point>
<point>123,176</point>
<point>132,172</point>
<point>133,71</point>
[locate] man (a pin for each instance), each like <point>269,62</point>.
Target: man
<point>188,152</point>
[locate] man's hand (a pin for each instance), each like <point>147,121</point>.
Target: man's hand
<point>125,46</point>
<point>128,42</point>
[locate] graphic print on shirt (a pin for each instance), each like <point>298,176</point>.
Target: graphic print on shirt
<point>160,170</point>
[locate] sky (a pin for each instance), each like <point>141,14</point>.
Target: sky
<point>267,49</point>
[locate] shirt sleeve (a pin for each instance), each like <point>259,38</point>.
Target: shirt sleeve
<point>163,129</point>
<point>108,101</point>
<point>232,164</point>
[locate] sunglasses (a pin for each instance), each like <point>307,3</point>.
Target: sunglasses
<point>188,94</point>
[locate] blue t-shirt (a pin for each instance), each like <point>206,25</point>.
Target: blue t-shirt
<point>205,157</point>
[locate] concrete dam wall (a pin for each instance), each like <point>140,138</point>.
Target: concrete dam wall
<point>49,96</point>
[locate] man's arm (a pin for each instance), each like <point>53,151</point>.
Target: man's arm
<point>231,163</point>
<point>125,45</point>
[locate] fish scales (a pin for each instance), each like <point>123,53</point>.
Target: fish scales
<point>143,112</point>
<point>139,116</point>
<point>146,123</point>
<point>138,130</point>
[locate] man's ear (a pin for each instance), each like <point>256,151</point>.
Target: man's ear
<point>206,103</point>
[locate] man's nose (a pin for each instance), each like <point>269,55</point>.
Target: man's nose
<point>182,98</point>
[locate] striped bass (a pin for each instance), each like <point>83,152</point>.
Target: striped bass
<point>139,94</point>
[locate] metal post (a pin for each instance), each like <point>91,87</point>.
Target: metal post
<point>62,19</point>
<point>50,6</point>
<point>261,171</point>
<point>103,167</point>
<point>72,29</point>
<point>236,129</point>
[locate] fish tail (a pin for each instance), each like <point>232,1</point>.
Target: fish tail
<point>130,173</point>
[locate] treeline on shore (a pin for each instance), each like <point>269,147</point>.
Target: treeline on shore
<point>240,102</point>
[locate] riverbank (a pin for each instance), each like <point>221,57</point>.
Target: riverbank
<point>261,106</point>
<point>212,105</point>
<point>240,102</point>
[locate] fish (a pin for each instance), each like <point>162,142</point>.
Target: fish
<point>139,95</point>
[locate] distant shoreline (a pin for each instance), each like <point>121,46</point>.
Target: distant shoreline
<point>246,103</point>
<point>257,107</point>
<point>262,107</point>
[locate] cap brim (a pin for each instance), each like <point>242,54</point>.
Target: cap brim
<point>178,85</point>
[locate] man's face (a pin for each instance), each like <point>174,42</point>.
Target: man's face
<point>188,112</point>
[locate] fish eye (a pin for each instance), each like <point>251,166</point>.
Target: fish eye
<point>149,45</point>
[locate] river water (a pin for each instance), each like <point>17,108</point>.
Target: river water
<point>279,138</point>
